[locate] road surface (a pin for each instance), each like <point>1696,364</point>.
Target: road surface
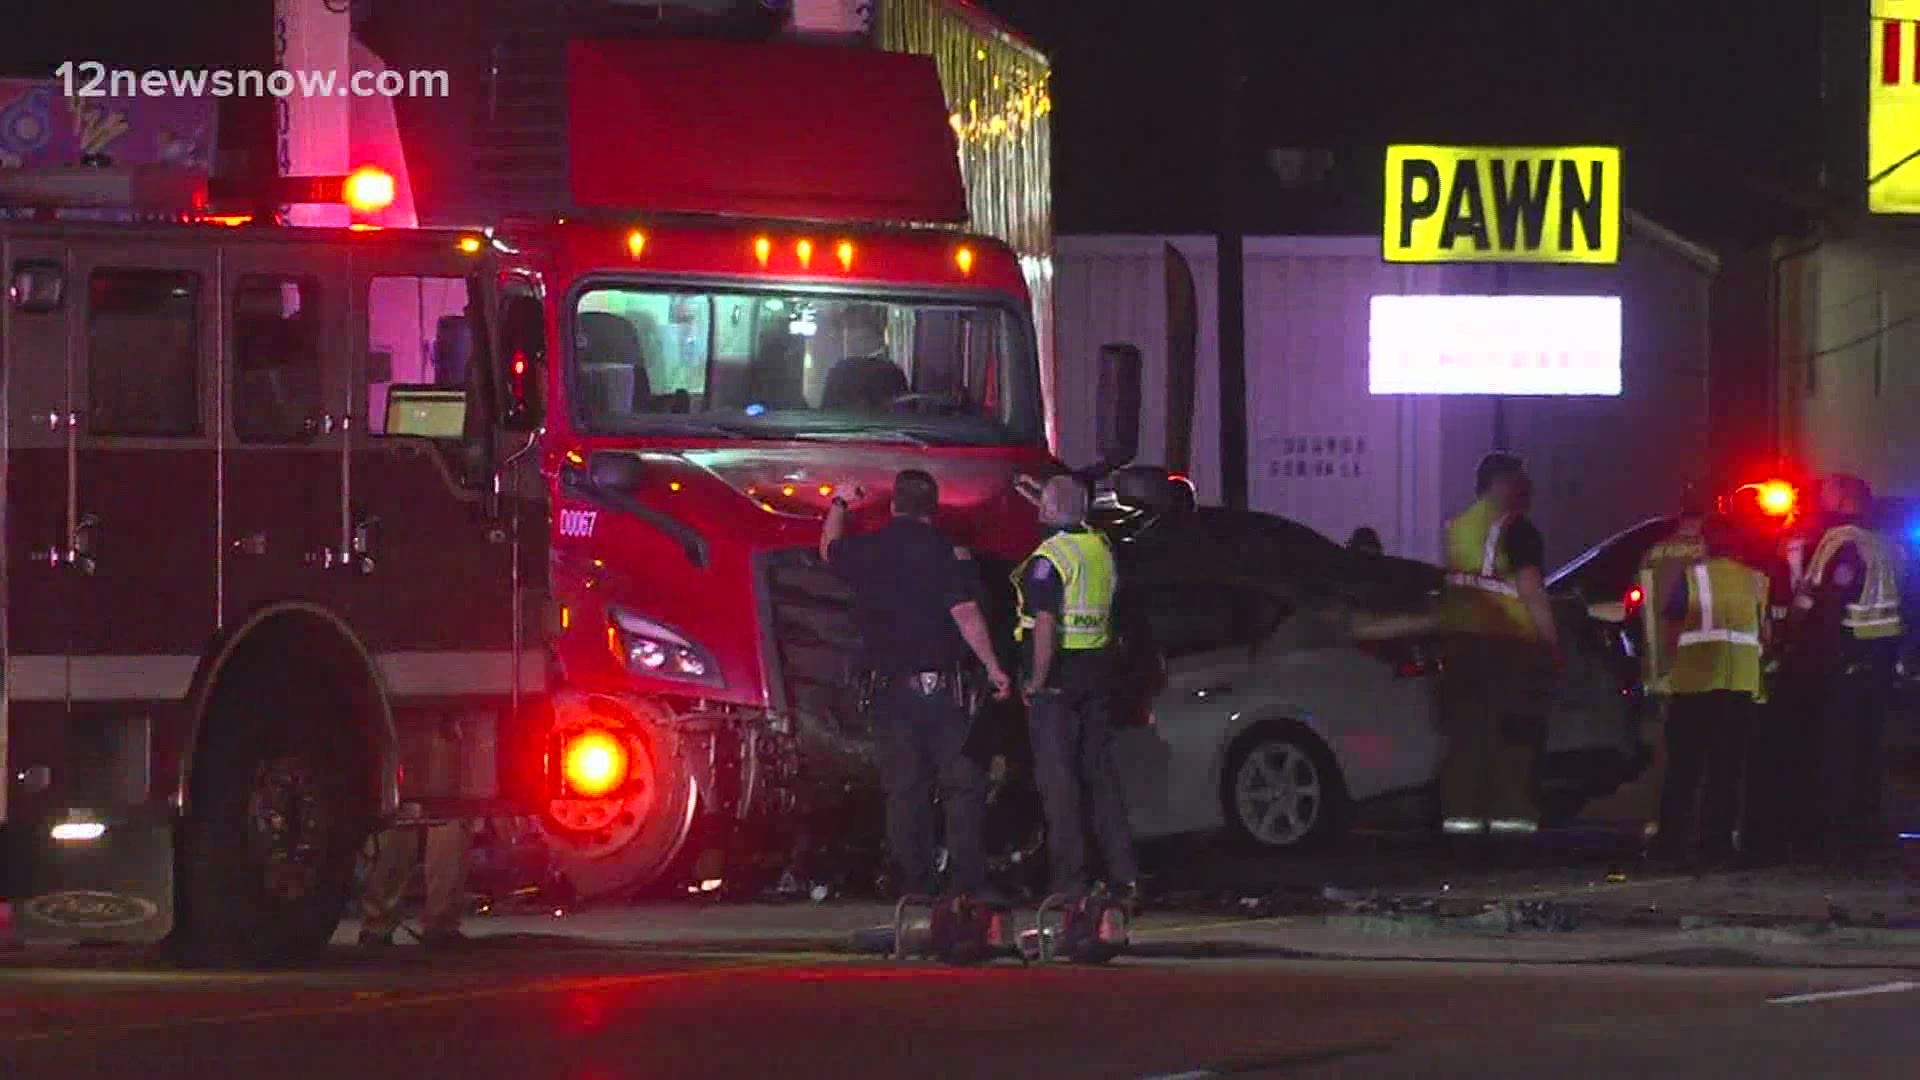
<point>529,1009</point>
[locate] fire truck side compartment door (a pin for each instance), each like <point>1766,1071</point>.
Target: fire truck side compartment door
<point>37,483</point>
<point>288,396</point>
<point>145,580</point>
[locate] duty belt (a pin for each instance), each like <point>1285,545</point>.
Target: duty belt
<point>957,680</point>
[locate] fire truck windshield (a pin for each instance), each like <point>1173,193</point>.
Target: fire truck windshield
<point>648,360</point>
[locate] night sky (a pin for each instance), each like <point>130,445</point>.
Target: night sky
<point>1713,100</point>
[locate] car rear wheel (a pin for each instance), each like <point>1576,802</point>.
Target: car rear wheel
<point>1281,790</point>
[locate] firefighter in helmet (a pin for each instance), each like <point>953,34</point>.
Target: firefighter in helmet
<point>1714,615</point>
<point>1502,654</point>
<point>1663,563</point>
<point>1847,627</point>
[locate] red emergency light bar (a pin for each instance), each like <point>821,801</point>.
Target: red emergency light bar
<point>165,191</point>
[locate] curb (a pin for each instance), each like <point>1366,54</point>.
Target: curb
<point>1504,922</point>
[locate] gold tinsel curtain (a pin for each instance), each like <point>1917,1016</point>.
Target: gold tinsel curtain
<point>997,90</point>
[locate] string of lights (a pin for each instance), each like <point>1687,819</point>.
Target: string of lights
<point>1000,108</point>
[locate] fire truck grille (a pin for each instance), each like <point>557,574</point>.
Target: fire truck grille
<point>815,644</point>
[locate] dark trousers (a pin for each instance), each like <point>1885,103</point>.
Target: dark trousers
<point>1707,737</point>
<point>1780,816</point>
<point>922,739</point>
<point>1852,732</point>
<point>1073,766</point>
<point>1493,701</point>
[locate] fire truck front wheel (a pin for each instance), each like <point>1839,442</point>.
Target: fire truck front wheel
<point>268,846</point>
<point>623,845</point>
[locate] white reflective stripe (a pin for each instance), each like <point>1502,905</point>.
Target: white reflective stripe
<point>1703,596</point>
<point>159,677</point>
<point>1513,825</point>
<point>1463,825</point>
<point>1491,550</point>
<point>1485,584</point>
<point>163,677</point>
<point>458,674</point>
<point>1731,637</point>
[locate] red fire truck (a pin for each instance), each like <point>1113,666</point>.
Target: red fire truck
<point>309,530</point>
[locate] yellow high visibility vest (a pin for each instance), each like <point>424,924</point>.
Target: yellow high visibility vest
<point>1720,642</point>
<point>1479,596</point>
<point>1657,571</point>
<point>1087,578</point>
<point>1876,614</point>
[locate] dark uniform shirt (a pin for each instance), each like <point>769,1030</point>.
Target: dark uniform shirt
<point>1841,584</point>
<point>1043,593</point>
<point>907,579</point>
<point>1524,546</point>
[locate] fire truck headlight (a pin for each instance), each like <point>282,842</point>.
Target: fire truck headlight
<point>648,648</point>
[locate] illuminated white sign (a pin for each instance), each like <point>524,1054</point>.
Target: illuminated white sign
<point>1510,346</point>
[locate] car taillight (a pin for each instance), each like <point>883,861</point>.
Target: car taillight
<point>1407,661</point>
<point>1634,598</point>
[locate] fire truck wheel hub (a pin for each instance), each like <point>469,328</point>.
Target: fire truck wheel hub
<point>287,827</point>
<point>593,827</point>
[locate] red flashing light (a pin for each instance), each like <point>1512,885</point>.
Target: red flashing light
<point>1634,597</point>
<point>1777,498</point>
<point>368,189</point>
<point>594,763</point>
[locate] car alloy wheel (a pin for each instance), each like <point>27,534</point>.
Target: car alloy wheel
<point>1279,793</point>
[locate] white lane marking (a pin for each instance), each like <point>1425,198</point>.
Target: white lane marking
<point>1200,1074</point>
<point>1835,995</point>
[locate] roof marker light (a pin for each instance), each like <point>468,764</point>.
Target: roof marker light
<point>964,259</point>
<point>368,189</point>
<point>470,245</point>
<point>845,252</point>
<point>762,250</point>
<point>804,251</point>
<point>636,243</point>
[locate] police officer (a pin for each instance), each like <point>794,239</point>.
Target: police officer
<point>1502,650</point>
<point>1847,611</point>
<point>1664,562</point>
<point>1065,591</point>
<point>916,604</point>
<point>1715,616</point>
<point>443,848</point>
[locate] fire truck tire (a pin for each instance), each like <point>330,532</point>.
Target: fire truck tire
<point>267,852</point>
